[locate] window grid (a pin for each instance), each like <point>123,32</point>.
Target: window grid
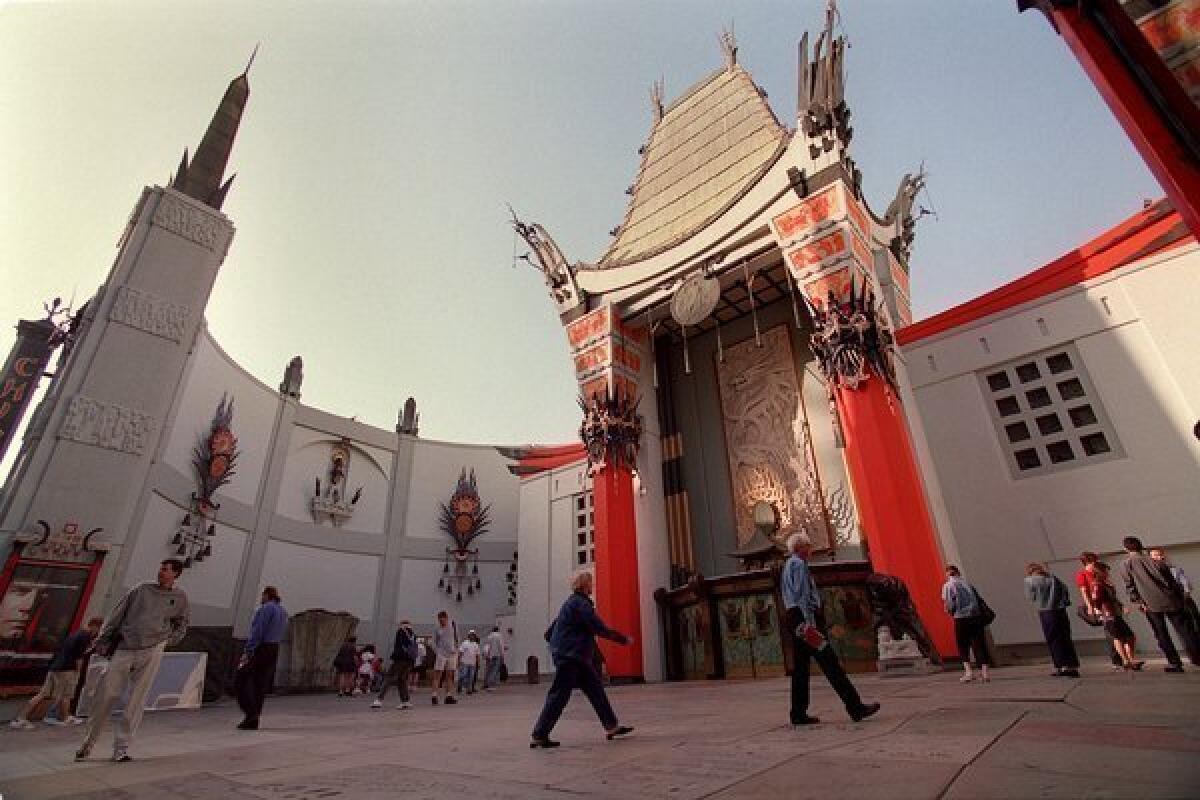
<point>584,540</point>
<point>1048,415</point>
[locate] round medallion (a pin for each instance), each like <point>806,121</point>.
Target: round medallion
<point>695,299</point>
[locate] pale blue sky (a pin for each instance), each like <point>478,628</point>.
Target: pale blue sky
<point>382,141</point>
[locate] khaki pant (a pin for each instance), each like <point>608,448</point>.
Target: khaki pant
<point>135,669</point>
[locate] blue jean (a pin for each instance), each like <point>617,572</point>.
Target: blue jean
<point>571,674</point>
<point>492,676</point>
<point>466,677</point>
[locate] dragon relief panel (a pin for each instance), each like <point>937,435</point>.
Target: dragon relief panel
<point>766,437</point>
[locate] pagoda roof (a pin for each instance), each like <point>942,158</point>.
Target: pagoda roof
<point>705,152</point>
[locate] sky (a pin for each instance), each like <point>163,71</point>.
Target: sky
<point>383,140</point>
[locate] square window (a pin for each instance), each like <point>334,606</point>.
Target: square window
<point>1060,452</point>
<point>582,539</point>
<point>579,501</point>
<point>1049,424</point>
<point>1027,459</point>
<point>1017,431</point>
<point>581,558</point>
<point>1070,389</point>
<point>998,381</point>
<point>1028,372</point>
<point>580,522</point>
<point>1059,362</point>
<point>1038,398</point>
<point>1094,444</point>
<point>1082,416</point>
<point>1007,406</point>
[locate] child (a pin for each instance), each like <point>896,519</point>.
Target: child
<point>366,669</point>
<point>1104,600</point>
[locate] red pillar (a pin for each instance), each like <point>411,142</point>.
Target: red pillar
<point>901,538</point>
<point>616,573</point>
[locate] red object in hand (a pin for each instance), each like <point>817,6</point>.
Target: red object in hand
<point>811,635</point>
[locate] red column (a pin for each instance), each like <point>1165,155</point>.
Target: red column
<point>617,599</point>
<point>900,534</point>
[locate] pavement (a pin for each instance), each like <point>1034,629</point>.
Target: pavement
<point>1023,735</point>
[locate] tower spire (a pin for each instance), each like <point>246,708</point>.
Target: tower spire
<point>202,177</point>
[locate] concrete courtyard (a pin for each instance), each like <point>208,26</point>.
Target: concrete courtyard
<point>1024,735</point>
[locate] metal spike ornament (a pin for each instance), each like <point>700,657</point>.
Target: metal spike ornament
<point>464,519</point>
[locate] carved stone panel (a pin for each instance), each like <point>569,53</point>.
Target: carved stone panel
<point>767,441</point>
<point>180,217</point>
<point>106,425</point>
<point>150,313</point>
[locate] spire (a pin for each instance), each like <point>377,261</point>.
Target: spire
<point>202,178</point>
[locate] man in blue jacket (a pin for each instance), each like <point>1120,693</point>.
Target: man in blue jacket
<point>256,669</point>
<point>572,638</point>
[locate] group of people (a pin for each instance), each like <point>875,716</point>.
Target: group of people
<point>1153,585</point>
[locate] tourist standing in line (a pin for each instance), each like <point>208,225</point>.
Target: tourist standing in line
<point>404,655</point>
<point>572,638</point>
<point>1051,598</point>
<point>468,663</point>
<point>1104,598</point>
<point>1152,587</point>
<point>256,668</point>
<point>422,665</point>
<point>1083,580</point>
<point>148,618</point>
<point>970,629</point>
<point>810,640</point>
<point>1189,602</point>
<point>445,649</point>
<point>493,646</point>
<point>345,666</point>
<point>61,679</point>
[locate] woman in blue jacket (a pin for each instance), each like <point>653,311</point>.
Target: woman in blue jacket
<point>572,638</point>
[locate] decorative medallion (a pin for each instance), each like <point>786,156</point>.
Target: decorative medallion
<point>695,299</point>
<point>611,430</point>
<point>214,460</point>
<point>464,519</point>
<point>330,501</point>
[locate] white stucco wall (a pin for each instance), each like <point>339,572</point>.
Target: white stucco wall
<point>313,577</point>
<point>436,467</point>
<point>1133,332</point>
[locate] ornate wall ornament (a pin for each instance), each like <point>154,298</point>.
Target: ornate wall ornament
<point>852,338</point>
<point>107,425</point>
<point>611,430</point>
<point>464,519</point>
<point>183,219</point>
<point>330,501</point>
<point>766,438</point>
<point>150,313</point>
<point>67,545</point>
<point>214,459</point>
<point>550,261</point>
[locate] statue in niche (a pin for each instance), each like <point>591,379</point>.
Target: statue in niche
<point>293,376</point>
<point>329,501</point>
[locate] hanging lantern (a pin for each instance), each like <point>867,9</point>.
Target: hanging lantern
<point>470,589</point>
<point>208,550</point>
<point>187,562</point>
<point>187,520</point>
<point>181,550</point>
<point>441,583</point>
<point>177,538</point>
<point>445,568</point>
<point>475,570</point>
<point>459,597</point>
<point>478,584</point>
<point>212,530</point>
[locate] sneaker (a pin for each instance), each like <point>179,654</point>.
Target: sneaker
<point>451,701</point>
<point>122,756</point>
<point>74,720</point>
<point>620,730</point>
<point>56,722</point>
<point>83,752</point>
<point>1174,668</point>
<point>21,725</point>
<point>404,706</point>
<point>966,678</point>
<point>377,704</point>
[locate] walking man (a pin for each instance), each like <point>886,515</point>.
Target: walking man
<point>60,683</point>
<point>1152,587</point>
<point>148,618</point>
<point>256,669</point>
<point>493,646</point>
<point>404,656</point>
<point>572,638</point>
<point>445,649</point>
<point>809,639</point>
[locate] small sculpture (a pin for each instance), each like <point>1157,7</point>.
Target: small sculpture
<point>611,430</point>
<point>896,615</point>
<point>293,376</point>
<point>331,503</point>
<point>559,275</point>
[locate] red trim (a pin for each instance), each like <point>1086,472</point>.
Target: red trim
<point>539,459</point>
<point>77,622</point>
<point>617,595</point>
<point>1152,230</point>
<point>10,566</point>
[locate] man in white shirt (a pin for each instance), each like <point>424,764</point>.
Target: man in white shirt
<point>493,647</point>
<point>445,648</point>
<point>468,663</point>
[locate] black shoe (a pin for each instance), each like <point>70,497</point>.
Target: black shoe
<point>1069,673</point>
<point>248,725</point>
<point>450,701</point>
<point>806,720</point>
<point>1174,668</point>
<point>864,711</point>
<point>542,742</point>
<point>434,699</point>
<point>620,730</point>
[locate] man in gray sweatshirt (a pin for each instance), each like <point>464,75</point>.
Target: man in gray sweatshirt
<point>1155,591</point>
<point>148,618</point>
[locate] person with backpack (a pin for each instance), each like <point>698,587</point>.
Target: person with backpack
<point>1051,597</point>
<point>971,618</point>
<point>404,657</point>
